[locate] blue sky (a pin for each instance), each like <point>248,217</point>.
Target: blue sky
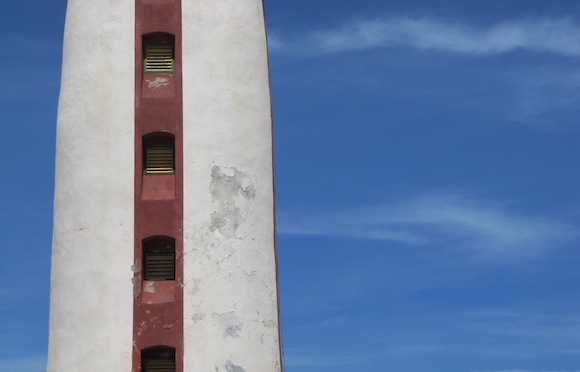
<point>427,183</point>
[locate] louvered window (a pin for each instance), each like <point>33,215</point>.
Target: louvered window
<point>159,159</point>
<point>158,360</point>
<point>159,258</point>
<point>158,59</point>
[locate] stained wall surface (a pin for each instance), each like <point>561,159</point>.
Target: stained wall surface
<point>91,290</point>
<point>230,300</point>
<point>230,292</point>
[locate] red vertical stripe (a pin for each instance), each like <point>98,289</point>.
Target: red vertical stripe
<point>158,306</point>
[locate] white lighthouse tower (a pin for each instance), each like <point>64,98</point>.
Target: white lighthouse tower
<point>164,239</point>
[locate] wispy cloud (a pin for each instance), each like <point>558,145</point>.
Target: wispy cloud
<point>551,35</point>
<point>311,358</point>
<point>548,98</point>
<point>450,219</point>
<point>556,330</point>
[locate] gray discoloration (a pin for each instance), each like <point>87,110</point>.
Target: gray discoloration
<point>231,367</point>
<point>230,323</point>
<point>195,286</point>
<point>232,331</point>
<point>197,317</point>
<point>269,323</point>
<point>234,192</point>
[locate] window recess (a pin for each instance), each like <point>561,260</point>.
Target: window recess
<point>158,53</point>
<point>158,360</point>
<point>159,259</point>
<point>159,153</point>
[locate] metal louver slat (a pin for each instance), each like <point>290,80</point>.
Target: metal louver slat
<point>159,265</point>
<point>158,59</point>
<point>158,360</point>
<point>159,160</point>
<point>159,364</point>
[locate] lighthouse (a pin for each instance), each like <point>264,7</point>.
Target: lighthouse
<point>164,255</point>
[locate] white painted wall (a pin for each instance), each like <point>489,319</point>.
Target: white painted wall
<point>230,294</point>
<point>91,309</point>
<point>230,298</point>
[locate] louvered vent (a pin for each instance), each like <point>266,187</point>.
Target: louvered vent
<point>158,59</point>
<point>158,360</point>
<point>159,159</point>
<point>159,259</point>
<point>160,266</point>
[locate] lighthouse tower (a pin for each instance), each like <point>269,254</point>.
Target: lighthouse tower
<point>164,239</point>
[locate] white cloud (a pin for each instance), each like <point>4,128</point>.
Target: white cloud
<point>452,220</point>
<point>552,35</point>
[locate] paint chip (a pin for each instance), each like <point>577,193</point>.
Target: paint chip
<point>158,83</point>
<point>149,286</point>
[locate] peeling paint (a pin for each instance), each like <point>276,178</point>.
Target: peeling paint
<point>136,282</point>
<point>157,83</point>
<point>149,286</point>
<point>232,331</point>
<point>234,191</point>
<point>231,367</point>
<point>230,323</point>
<point>198,317</point>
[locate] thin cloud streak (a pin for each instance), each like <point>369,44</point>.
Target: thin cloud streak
<point>452,220</point>
<point>548,98</point>
<point>298,358</point>
<point>550,35</point>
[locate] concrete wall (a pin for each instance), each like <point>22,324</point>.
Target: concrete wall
<point>230,293</point>
<point>230,290</point>
<point>91,290</point>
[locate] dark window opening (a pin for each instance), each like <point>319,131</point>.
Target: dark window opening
<point>159,258</point>
<point>158,54</point>
<point>159,359</point>
<point>159,154</point>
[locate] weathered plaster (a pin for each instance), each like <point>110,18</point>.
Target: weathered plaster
<point>234,192</point>
<point>230,288</point>
<point>228,232</point>
<point>156,83</point>
<point>91,289</point>
<point>229,323</point>
<point>231,367</point>
<point>149,287</point>
<point>158,198</point>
